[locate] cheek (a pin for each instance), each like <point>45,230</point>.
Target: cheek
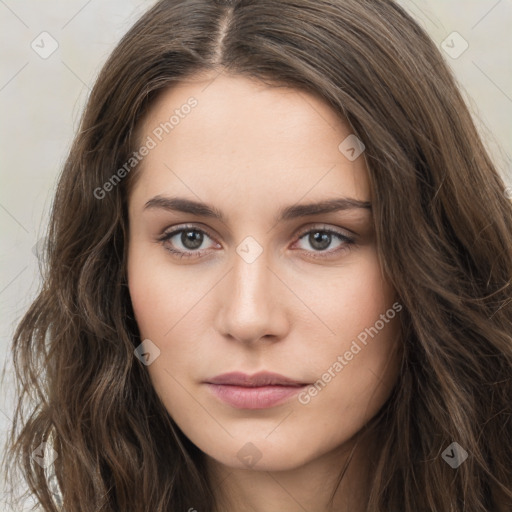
<point>348,299</point>
<point>159,295</point>
<point>148,297</point>
<point>358,367</point>
<point>168,304</point>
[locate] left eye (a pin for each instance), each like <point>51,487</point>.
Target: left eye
<point>191,239</point>
<point>321,239</point>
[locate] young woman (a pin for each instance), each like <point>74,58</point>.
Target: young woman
<point>278,276</point>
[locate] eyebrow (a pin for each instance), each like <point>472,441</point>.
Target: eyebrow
<point>184,205</point>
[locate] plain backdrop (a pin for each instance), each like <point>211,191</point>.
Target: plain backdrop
<point>41,100</point>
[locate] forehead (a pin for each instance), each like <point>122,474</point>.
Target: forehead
<point>226,137</point>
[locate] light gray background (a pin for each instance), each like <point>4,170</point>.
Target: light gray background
<point>41,101</point>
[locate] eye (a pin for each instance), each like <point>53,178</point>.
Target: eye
<point>185,241</point>
<point>320,239</point>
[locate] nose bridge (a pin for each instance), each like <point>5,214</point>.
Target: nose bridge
<point>250,308</point>
<point>251,279</point>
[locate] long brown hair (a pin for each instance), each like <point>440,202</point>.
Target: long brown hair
<point>444,234</point>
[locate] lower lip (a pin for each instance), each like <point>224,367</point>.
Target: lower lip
<point>262,397</point>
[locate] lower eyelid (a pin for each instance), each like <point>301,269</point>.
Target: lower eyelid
<point>345,244</point>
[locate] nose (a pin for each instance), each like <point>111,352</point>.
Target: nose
<point>253,303</point>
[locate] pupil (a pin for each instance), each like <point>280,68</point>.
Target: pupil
<point>320,240</point>
<point>191,239</point>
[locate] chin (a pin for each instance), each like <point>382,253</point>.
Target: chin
<point>260,455</point>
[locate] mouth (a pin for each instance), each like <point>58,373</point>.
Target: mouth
<point>260,391</point>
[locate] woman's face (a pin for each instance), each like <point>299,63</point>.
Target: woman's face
<point>261,281</point>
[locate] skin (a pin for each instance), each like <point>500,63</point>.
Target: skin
<point>249,150</point>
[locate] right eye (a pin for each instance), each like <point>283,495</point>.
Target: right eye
<point>184,241</point>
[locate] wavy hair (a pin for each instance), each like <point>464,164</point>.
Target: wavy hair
<point>444,235</point>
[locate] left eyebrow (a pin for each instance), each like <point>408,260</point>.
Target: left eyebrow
<point>328,206</point>
<point>288,213</point>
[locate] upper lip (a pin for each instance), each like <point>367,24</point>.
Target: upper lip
<point>256,380</point>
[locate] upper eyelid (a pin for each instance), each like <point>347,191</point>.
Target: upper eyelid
<point>324,227</point>
<point>169,233</point>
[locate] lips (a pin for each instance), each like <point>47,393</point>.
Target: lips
<point>259,391</point>
<point>256,380</point>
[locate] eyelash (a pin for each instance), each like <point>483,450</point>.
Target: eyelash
<point>348,242</point>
